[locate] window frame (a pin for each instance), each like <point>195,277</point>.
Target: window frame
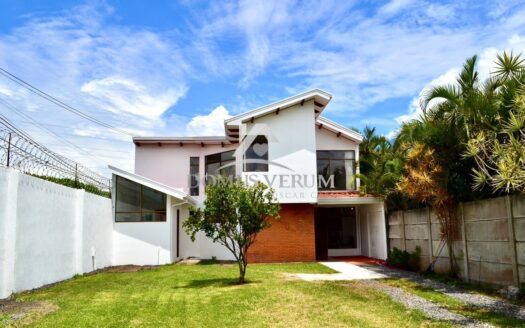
<point>220,161</point>
<point>265,166</point>
<point>194,190</point>
<point>328,158</point>
<point>140,205</point>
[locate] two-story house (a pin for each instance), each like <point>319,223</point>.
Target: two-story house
<point>310,161</point>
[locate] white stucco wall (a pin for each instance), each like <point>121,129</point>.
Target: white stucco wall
<point>374,215</point>
<point>47,232</point>
<point>144,243</point>
<point>328,140</point>
<point>97,233</point>
<point>294,147</point>
<point>202,247</point>
<point>170,163</point>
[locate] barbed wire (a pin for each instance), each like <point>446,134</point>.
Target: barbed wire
<point>19,151</point>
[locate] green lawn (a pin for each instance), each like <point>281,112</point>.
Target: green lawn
<point>206,295</point>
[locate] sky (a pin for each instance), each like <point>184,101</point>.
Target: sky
<point>166,68</point>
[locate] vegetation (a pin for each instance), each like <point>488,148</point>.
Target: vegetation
<point>207,295</point>
<point>380,165</point>
<point>76,184</point>
<point>468,144</point>
<point>233,216</point>
<point>404,260</point>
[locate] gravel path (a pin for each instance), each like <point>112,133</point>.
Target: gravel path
<point>472,299</point>
<point>430,309</point>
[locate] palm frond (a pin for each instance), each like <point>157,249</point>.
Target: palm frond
<point>508,65</point>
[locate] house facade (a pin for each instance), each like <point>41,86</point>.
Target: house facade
<point>310,162</point>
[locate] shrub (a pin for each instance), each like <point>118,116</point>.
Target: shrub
<point>75,184</point>
<point>404,260</point>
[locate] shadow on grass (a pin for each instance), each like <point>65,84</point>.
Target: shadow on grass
<point>215,282</point>
<point>214,262</point>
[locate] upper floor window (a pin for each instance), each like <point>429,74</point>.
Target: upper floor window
<point>194,176</point>
<point>256,155</point>
<point>137,203</point>
<point>336,169</point>
<point>220,164</point>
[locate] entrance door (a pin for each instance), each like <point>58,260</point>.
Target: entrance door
<point>342,231</point>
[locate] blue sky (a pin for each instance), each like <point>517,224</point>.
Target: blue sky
<point>167,68</point>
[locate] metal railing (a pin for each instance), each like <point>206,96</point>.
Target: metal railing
<point>19,151</point>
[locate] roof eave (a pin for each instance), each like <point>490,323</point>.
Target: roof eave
<point>331,125</point>
<point>322,97</point>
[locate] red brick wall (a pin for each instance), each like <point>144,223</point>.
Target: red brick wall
<point>292,239</point>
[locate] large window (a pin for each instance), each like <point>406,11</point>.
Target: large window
<point>194,176</point>
<point>137,203</point>
<point>337,169</point>
<point>256,156</point>
<point>219,164</point>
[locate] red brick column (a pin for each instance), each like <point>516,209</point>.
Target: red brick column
<point>292,239</point>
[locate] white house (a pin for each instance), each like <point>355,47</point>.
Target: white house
<point>309,160</point>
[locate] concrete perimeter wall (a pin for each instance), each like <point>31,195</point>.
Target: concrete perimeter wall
<point>49,232</point>
<point>491,239</point>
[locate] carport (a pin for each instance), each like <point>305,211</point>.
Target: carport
<point>348,224</point>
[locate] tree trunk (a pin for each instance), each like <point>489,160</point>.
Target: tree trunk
<point>451,257</point>
<point>243,264</point>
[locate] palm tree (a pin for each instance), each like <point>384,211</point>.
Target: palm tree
<point>467,104</point>
<point>379,164</point>
<point>500,152</point>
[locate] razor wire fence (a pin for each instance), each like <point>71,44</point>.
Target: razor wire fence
<point>19,151</point>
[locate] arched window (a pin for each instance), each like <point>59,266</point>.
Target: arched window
<point>256,155</point>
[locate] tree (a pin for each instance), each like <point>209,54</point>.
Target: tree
<point>233,215</point>
<point>379,164</point>
<point>500,152</point>
<point>424,182</point>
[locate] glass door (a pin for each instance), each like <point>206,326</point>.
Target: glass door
<point>343,231</point>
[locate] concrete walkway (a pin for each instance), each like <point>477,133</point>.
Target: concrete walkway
<point>346,271</point>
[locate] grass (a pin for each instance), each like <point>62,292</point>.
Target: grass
<point>207,295</point>
<point>454,305</point>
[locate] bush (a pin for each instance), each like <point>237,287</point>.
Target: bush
<point>403,259</point>
<point>75,184</point>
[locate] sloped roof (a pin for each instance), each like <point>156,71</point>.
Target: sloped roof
<point>153,184</point>
<point>321,98</point>
<point>325,123</point>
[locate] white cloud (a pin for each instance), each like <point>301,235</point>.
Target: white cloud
<point>485,65</point>
<point>130,76</point>
<point>414,111</point>
<point>123,95</point>
<point>394,6</point>
<point>126,77</point>
<point>208,125</point>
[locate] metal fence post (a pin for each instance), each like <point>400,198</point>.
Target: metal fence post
<point>76,175</point>
<point>8,149</point>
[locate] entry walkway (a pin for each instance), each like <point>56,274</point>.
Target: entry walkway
<point>346,271</point>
